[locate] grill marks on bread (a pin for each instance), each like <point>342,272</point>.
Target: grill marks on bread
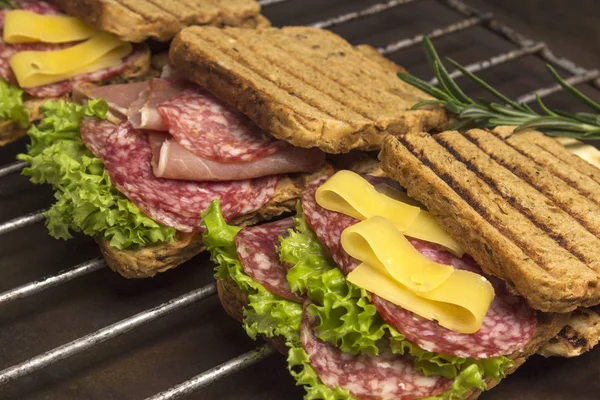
<point>503,199</point>
<point>304,85</point>
<point>138,20</point>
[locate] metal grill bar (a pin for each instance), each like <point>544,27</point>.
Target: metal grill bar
<point>496,60</point>
<point>12,168</point>
<point>51,281</point>
<point>20,222</point>
<point>206,378</point>
<point>374,9</point>
<point>264,3</point>
<point>456,27</point>
<point>119,328</point>
<point>574,80</point>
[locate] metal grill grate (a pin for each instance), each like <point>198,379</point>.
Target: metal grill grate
<point>349,19</point>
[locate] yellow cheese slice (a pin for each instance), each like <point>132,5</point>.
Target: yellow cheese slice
<point>349,193</point>
<point>22,26</point>
<point>377,242</point>
<point>38,68</point>
<point>459,304</point>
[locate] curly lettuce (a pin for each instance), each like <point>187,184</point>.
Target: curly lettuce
<point>11,104</point>
<point>349,321</point>
<point>267,314</point>
<point>86,201</point>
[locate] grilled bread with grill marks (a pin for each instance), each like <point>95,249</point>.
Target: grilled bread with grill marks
<point>304,85</point>
<point>526,209</point>
<point>581,334</point>
<point>139,20</point>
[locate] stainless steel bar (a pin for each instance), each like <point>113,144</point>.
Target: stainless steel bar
<point>371,10</point>
<point>496,60</point>
<point>206,378</point>
<point>265,3</point>
<point>119,328</point>
<point>51,281</point>
<point>12,168</point>
<point>520,40</point>
<point>20,222</point>
<point>573,80</point>
<point>456,27</point>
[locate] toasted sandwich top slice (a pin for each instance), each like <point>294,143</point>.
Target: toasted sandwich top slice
<point>138,20</point>
<point>524,207</point>
<point>304,85</point>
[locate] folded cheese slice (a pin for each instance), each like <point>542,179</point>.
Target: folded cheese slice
<point>38,68</point>
<point>22,26</point>
<point>377,242</point>
<point>349,193</point>
<point>459,304</point>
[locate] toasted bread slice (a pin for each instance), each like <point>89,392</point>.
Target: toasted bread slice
<point>150,260</point>
<point>524,214</point>
<point>139,20</point>
<point>581,334</point>
<point>304,85</point>
<point>234,300</point>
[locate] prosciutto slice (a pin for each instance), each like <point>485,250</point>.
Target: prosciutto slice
<point>119,97</point>
<point>171,160</point>
<point>143,112</point>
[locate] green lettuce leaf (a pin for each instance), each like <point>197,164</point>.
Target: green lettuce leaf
<point>349,321</point>
<point>11,104</point>
<point>86,201</point>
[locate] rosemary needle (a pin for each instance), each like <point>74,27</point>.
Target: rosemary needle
<point>504,111</point>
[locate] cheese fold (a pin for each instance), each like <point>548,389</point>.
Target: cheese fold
<point>22,26</point>
<point>38,68</point>
<point>459,304</point>
<point>349,193</point>
<point>377,242</point>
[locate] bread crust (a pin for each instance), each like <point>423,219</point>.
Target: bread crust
<point>139,20</point>
<point>581,334</point>
<point>304,85</point>
<point>234,300</point>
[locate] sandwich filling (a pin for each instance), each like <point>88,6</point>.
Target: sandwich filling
<point>135,187</point>
<point>46,54</point>
<point>344,341</point>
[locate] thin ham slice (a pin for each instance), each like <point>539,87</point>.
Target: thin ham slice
<point>119,97</point>
<point>143,112</point>
<point>171,160</point>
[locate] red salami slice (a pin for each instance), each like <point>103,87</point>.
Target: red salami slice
<point>95,133</point>
<point>257,250</point>
<point>58,88</point>
<point>209,128</point>
<point>386,376</point>
<point>173,202</point>
<point>507,327</point>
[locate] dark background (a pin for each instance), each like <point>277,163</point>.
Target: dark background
<point>188,342</point>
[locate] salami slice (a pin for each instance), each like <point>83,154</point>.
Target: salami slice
<point>95,133</point>
<point>257,250</point>
<point>173,202</point>
<point>508,325</point>
<point>386,376</point>
<point>207,127</point>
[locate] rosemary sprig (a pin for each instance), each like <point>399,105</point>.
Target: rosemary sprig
<point>503,111</point>
<point>7,4</point>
